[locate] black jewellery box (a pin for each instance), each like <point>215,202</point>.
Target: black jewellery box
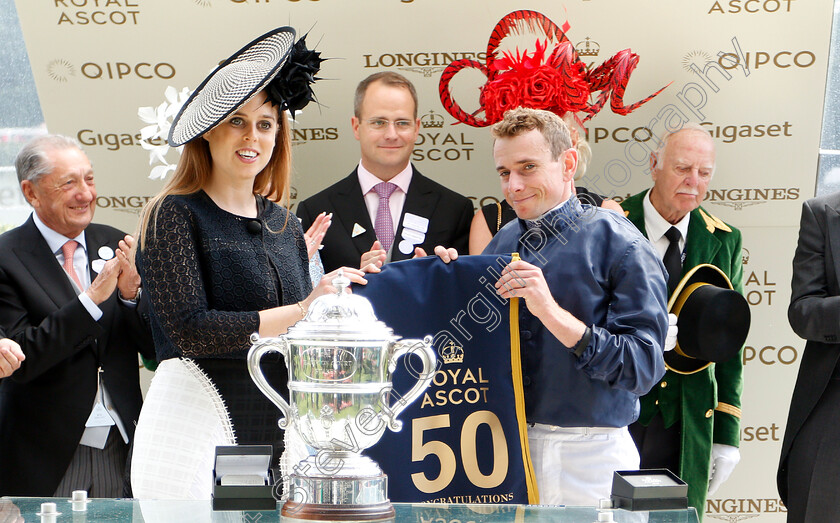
<point>243,479</point>
<point>649,489</point>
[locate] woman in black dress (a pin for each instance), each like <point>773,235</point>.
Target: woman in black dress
<point>220,257</point>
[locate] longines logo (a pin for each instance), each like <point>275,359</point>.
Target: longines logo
<point>750,6</point>
<point>733,518</point>
<point>313,134</point>
<point>434,145</point>
<point>425,63</point>
<point>132,204</point>
<point>97,12</point>
<point>740,198</point>
<point>111,141</point>
<point>738,509</point>
<point>61,70</point>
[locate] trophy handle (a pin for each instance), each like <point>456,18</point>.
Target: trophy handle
<point>260,347</point>
<point>424,349</point>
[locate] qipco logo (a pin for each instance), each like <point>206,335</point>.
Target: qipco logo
<point>121,70</point>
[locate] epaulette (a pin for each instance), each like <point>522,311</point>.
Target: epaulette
<point>713,222</point>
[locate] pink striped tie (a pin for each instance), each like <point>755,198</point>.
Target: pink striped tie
<point>68,249</point>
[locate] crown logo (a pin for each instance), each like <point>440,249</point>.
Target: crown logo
<point>431,120</point>
<point>452,353</point>
<point>588,48</point>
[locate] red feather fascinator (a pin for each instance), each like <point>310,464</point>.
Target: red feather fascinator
<point>552,79</point>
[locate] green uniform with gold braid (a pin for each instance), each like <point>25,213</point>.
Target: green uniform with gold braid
<point>706,403</point>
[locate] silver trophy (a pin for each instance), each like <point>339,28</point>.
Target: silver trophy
<point>340,361</point>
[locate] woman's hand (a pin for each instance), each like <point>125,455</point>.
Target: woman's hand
<point>315,234</point>
<point>325,286</point>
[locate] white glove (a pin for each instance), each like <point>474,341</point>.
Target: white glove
<point>724,459</point>
<point>671,337</point>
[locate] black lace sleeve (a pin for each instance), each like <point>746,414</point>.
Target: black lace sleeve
<point>177,270</point>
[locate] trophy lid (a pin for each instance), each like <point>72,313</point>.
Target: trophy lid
<point>342,315</point>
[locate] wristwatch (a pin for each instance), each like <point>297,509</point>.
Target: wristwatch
<point>136,297</point>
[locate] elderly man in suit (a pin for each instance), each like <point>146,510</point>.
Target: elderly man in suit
<point>385,210</point>
<point>689,423</point>
<point>809,470</point>
<point>69,296</point>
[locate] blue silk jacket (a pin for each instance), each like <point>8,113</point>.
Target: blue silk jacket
<point>605,273</point>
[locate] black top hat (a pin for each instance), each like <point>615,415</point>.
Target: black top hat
<point>712,320</point>
<point>232,85</point>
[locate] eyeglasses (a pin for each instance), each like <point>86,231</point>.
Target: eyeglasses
<point>380,124</point>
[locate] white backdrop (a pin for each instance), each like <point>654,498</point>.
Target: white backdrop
<point>753,71</point>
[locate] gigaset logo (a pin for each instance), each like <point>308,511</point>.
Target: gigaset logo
<point>97,12</point>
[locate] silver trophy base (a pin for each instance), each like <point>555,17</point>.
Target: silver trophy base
<point>342,487</point>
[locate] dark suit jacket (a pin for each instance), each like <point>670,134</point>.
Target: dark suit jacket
<point>448,212</point>
<point>44,405</point>
<point>814,314</point>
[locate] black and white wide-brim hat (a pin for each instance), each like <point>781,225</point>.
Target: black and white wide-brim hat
<point>232,85</point>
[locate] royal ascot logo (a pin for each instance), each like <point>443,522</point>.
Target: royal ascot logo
<point>302,135</point>
<point>112,141</point>
<point>61,70</point>
<point>759,288</point>
<point>129,204</point>
<point>97,12</point>
<point>452,353</point>
<point>434,145</point>
<point>739,509</point>
<point>750,6</point>
<point>431,121</point>
<point>425,63</point>
<point>740,198</point>
<point>587,51</point>
<point>588,48</point>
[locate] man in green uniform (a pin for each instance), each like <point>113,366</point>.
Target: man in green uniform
<point>689,422</point>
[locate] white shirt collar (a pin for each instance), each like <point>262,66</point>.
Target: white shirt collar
<point>656,226</point>
<point>55,240</point>
<point>367,179</point>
